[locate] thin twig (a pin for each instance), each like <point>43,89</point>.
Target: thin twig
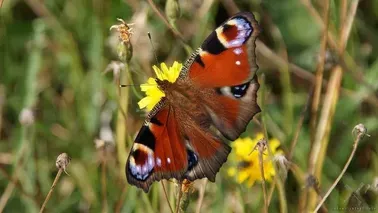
<point>164,19</point>
<point>5,196</point>
<point>278,62</point>
<point>347,26</point>
<point>319,72</point>
<point>18,187</point>
<point>119,204</point>
<point>61,163</point>
<point>166,196</point>
<point>179,196</point>
<point>271,191</point>
<point>299,126</point>
<point>2,103</point>
<point>261,146</point>
<point>319,148</point>
<point>201,196</point>
<point>343,58</point>
<point>51,190</point>
<point>361,132</point>
<point>11,185</point>
<point>103,181</point>
<point>123,100</point>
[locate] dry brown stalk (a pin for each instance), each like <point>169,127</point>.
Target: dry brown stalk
<point>61,163</point>
<point>166,196</point>
<point>320,145</point>
<point>164,19</point>
<point>319,72</point>
<point>360,130</point>
<point>201,196</point>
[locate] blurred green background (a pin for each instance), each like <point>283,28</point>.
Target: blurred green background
<point>59,92</point>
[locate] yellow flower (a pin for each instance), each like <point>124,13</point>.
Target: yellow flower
<point>247,167</point>
<point>153,93</point>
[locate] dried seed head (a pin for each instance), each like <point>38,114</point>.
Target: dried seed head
<point>99,144</point>
<point>115,67</point>
<point>62,161</point>
<point>375,184</point>
<point>260,146</point>
<point>361,130</point>
<point>124,49</point>
<point>330,59</point>
<point>172,10</point>
<point>282,164</point>
<point>124,30</point>
<point>281,161</point>
<point>26,117</point>
<point>187,186</point>
<point>312,182</point>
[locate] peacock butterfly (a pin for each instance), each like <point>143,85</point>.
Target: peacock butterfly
<point>215,95</point>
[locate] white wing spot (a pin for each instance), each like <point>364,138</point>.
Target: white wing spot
<point>238,51</point>
<point>237,63</point>
<point>169,160</point>
<point>158,161</point>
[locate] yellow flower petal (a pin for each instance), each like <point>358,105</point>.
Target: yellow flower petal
<point>231,172</point>
<point>243,175</point>
<point>151,83</point>
<point>164,70</point>
<point>151,89</point>
<point>144,102</point>
<point>158,72</point>
<point>243,154</point>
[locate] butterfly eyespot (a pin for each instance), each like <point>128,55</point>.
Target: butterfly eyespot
<point>192,159</point>
<point>142,172</point>
<point>235,32</point>
<point>235,91</point>
<point>240,90</point>
<point>141,162</point>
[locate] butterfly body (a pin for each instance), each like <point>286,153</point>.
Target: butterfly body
<point>213,99</point>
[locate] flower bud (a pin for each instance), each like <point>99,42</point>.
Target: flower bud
<point>172,10</point>
<point>124,49</point>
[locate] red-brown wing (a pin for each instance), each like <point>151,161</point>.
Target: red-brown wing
<point>207,151</point>
<point>226,63</point>
<point>158,151</point>
<point>165,148</point>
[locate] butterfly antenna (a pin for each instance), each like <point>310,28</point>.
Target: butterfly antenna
<point>153,48</point>
<point>128,85</point>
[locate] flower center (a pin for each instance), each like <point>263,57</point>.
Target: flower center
<point>245,164</point>
<point>163,84</point>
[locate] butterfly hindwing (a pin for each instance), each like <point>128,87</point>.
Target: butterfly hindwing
<point>212,152</point>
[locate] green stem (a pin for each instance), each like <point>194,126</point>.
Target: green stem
<point>121,129</point>
<point>26,142</point>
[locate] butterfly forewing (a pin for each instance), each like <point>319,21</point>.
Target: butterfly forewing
<point>158,151</point>
<point>226,62</point>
